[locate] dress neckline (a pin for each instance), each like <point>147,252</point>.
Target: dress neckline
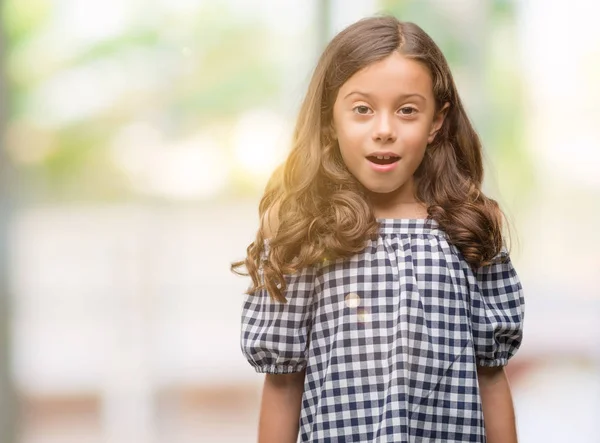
<point>408,226</point>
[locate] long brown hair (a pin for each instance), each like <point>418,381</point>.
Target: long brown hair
<point>321,210</point>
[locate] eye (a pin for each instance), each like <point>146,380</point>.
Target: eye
<point>361,109</point>
<point>408,110</point>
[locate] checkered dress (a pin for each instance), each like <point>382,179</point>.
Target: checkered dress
<point>390,338</point>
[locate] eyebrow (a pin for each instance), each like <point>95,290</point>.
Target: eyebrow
<point>367,95</point>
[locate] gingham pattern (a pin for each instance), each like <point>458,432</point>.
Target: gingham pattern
<point>390,338</point>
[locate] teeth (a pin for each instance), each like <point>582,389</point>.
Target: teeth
<point>383,157</point>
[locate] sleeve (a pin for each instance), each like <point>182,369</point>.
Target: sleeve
<point>274,335</point>
<point>497,312</point>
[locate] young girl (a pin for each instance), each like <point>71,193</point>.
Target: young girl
<point>384,305</point>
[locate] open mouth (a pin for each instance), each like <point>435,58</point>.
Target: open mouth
<point>383,160</point>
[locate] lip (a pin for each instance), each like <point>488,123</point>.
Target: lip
<point>383,168</point>
<point>383,154</point>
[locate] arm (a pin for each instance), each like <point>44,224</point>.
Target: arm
<point>498,411</point>
<point>280,408</point>
<point>282,393</point>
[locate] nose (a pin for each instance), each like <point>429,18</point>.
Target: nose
<point>383,130</point>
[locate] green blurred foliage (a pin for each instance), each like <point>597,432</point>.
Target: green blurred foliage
<point>210,70</point>
<point>22,19</point>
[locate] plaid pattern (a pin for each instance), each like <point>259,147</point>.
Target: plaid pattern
<point>390,338</point>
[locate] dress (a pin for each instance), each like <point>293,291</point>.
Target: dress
<point>390,338</point>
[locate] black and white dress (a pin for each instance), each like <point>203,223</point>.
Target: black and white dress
<point>390,338</point>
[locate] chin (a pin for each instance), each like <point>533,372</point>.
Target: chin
<point>382,189</point>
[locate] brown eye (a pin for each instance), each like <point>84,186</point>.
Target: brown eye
<point>407,110</point>
<point>362,109</point>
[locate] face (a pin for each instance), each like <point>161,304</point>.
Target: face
<point>384,117</point>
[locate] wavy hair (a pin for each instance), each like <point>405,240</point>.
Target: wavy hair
<point>316,207</point>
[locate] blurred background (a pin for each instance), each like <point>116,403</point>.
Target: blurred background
<point>136,139</point>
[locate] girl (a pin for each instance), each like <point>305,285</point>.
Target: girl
<point>384,305</point>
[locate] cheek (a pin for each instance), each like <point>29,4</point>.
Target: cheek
<point>348,151</point>
<point>352,132</point>
<point>351,140</point>
<point>415,145</point>
<point>414,135</point>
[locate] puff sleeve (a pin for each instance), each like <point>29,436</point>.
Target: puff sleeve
<point>497,312</point>
<point>274,335</point>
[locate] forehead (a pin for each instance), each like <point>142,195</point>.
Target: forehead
<point>393,76</point>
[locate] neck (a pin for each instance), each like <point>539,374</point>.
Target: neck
<point>400,203</point>
<point>402,210</point>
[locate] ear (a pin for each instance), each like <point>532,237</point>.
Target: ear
<point>438,121</point>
